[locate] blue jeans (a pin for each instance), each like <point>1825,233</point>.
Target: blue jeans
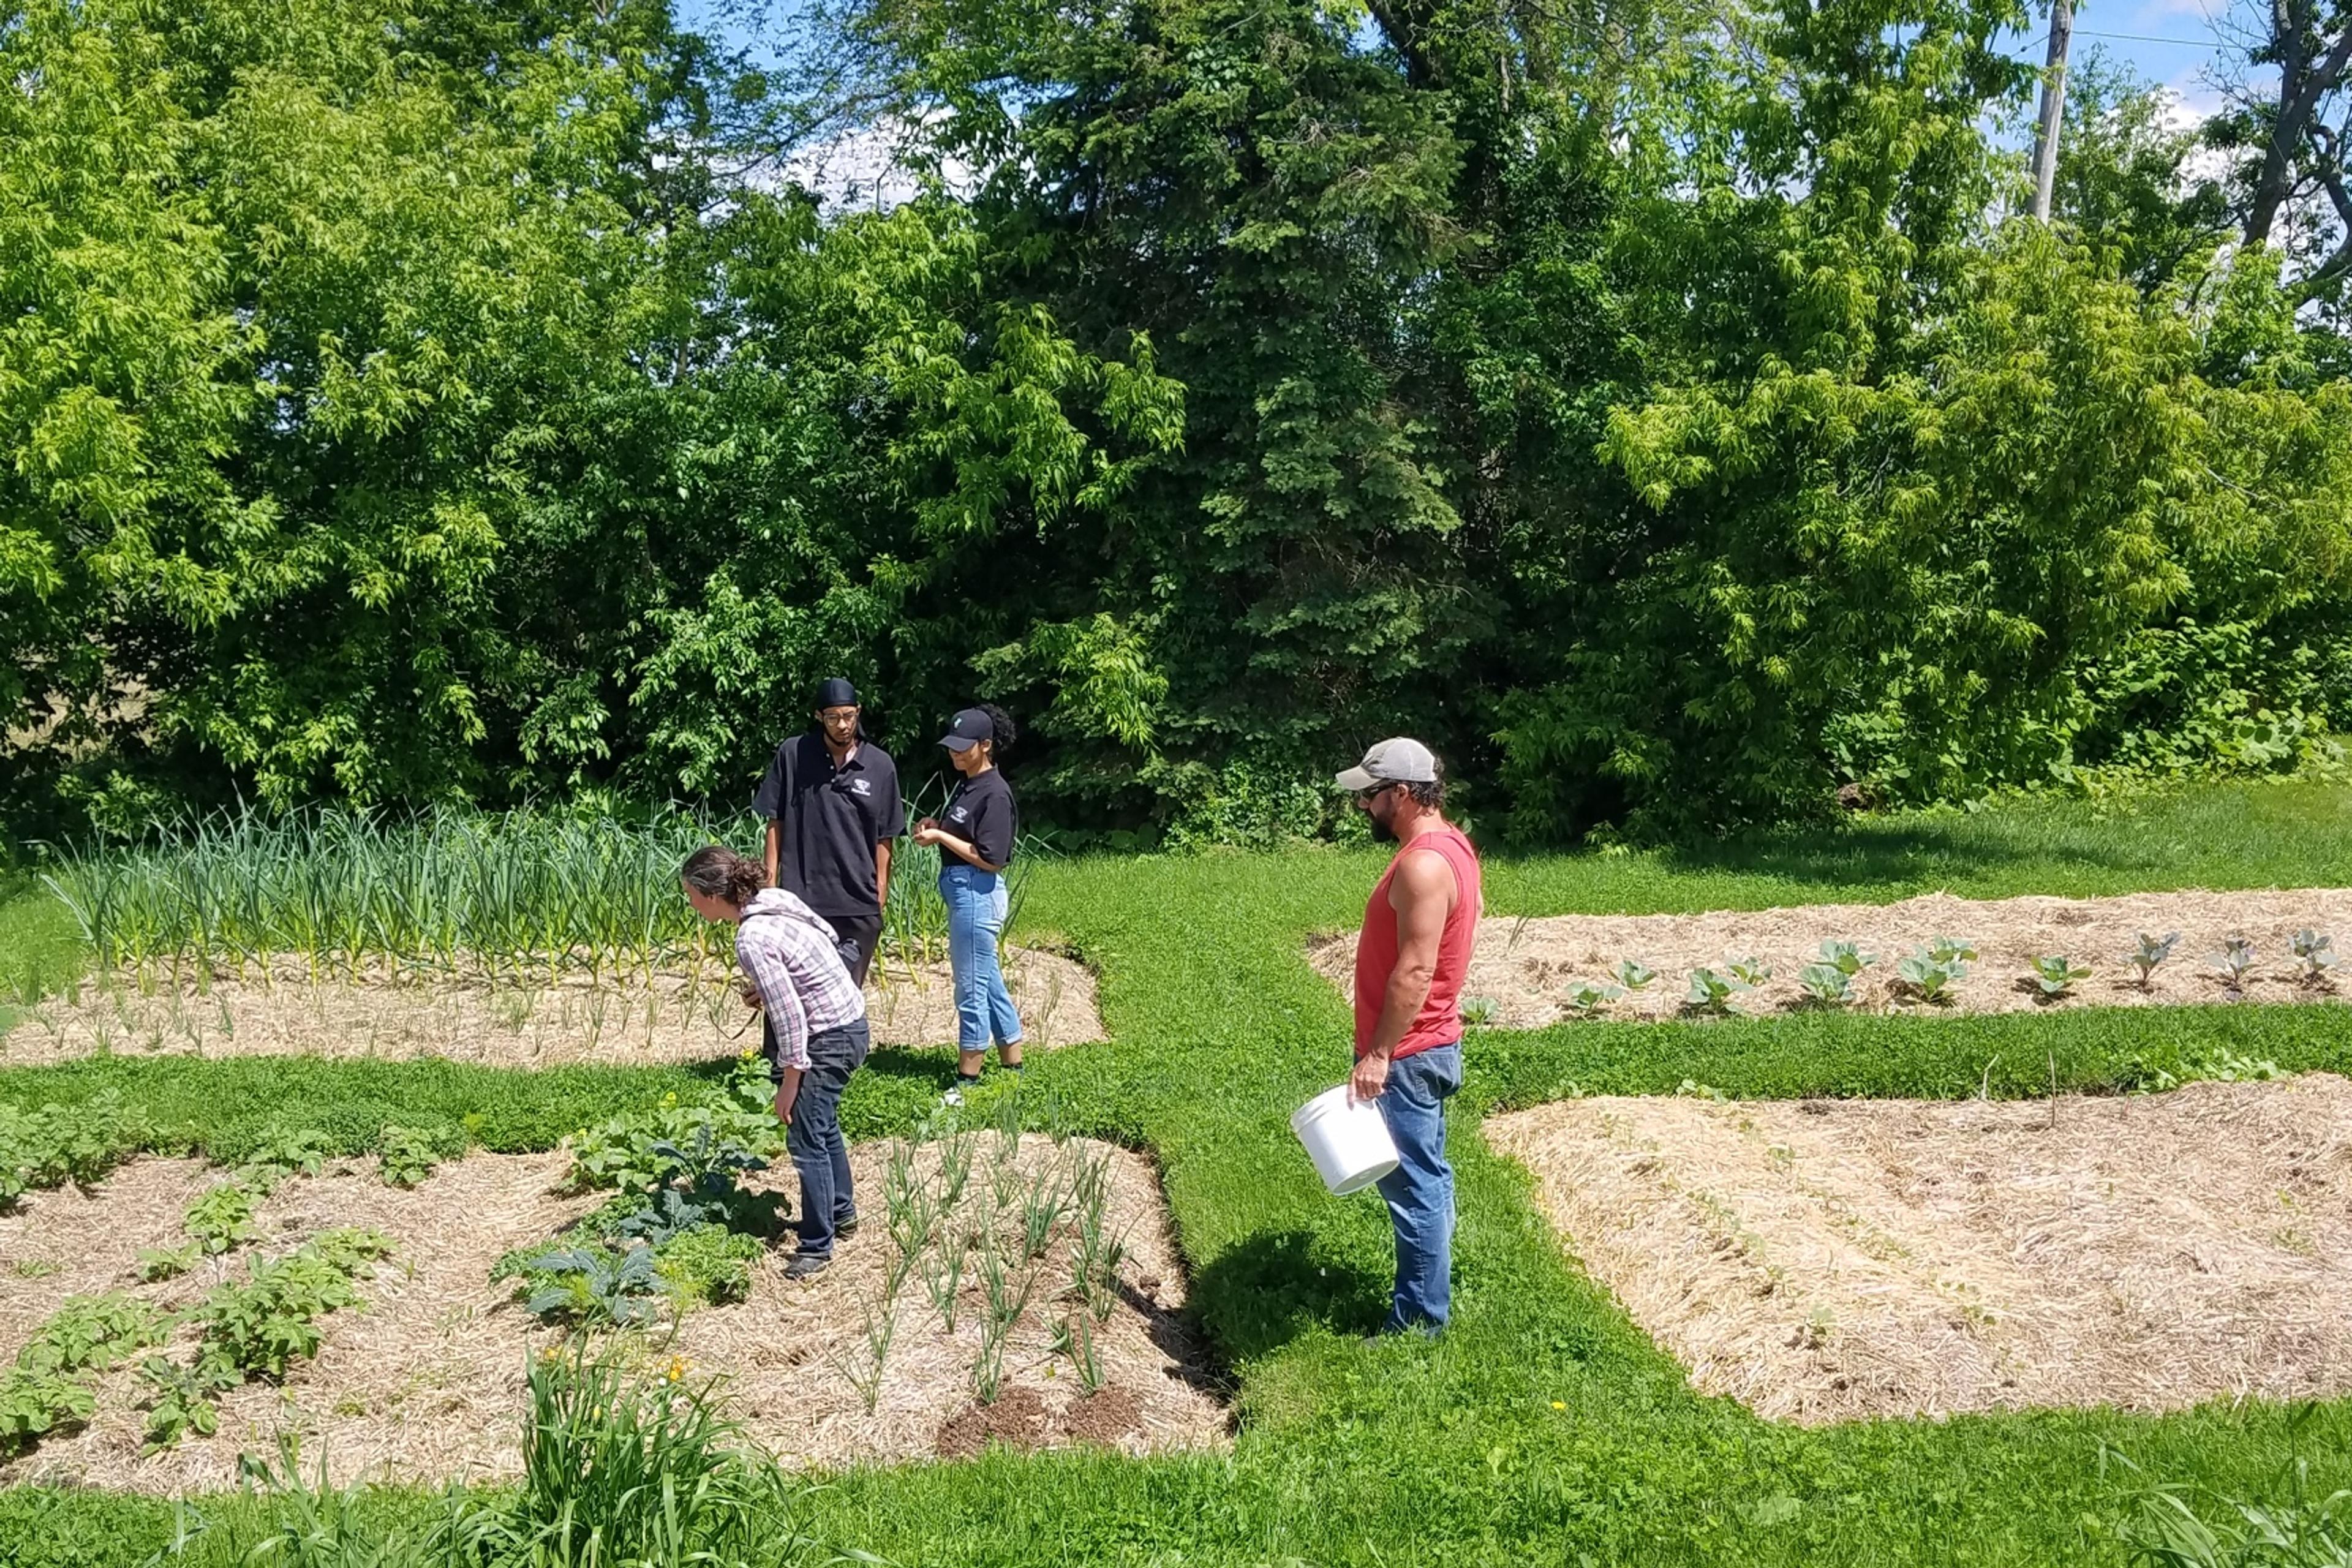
<point>1420,1190</point>
<point>819,1152</point>
<point>976,903</point>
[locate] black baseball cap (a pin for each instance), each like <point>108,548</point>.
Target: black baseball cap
<point>835,693</point>
<point>967,730</point>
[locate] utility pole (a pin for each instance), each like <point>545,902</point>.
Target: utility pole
<point>2053,108</point>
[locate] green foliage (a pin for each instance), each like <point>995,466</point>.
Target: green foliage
<point>2054,975</point>
<point>93,1333</point>
<point>2235,961</point>
<point>2177,1528</point>
<point>1586,999</point>
<point>222,1219</point>
<point>255,1327</point>
<point>2316,950</point>
<point>53,1144</point>
<point>1632,975</point>
<point>35,1404</point>
<point>708,1264</point>
<point>1930,979</point>
<point>594,1286</point>
<point>1845,957</point>
<point>1479,1011</point>
<point>700,1146</point>
<point>48,1386</point>
<point>1712,993</point>
<point>2151,952</point>
<point>1827,983</point>
<point>408,1155</point>
<point>2213,1064</point>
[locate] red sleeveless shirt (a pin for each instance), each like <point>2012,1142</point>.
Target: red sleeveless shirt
<point>1439,1023</point>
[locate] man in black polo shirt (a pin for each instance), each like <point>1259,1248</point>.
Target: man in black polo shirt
<point>831,798</point>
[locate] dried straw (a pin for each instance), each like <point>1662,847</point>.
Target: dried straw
<point>1825,1260</point>
<point>427,1382</point>
<point>503,1022</point>
<point>1531,967</point>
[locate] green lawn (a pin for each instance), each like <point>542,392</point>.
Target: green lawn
<point>1543,1428</point>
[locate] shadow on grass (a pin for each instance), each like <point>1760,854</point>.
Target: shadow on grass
<point>1261,1293</point>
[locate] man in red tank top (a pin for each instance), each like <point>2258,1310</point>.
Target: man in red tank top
<point>1411,962</point>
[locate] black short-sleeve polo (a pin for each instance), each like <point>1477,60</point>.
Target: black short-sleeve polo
<point>981,811</point>
<point>829,820</point>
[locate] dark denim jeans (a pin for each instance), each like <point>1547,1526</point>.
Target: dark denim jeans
<point>819,1153</point>
<point>1420,1190</point>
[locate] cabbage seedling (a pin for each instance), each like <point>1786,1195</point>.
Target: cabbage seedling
<point>1749,972</point>
<point>1588,999</point>
<point>1846,958</point>
<point>2055,973</point>
<point>2234,960</point>
<point>2316,949</point>
<point>1826,984</point>
<point>1710,991</point>
<point>2151,952</point>
<point>1478,1011</point>
<point>1952,953</point>
<point>1632,976</point>
<point>1929,977</point>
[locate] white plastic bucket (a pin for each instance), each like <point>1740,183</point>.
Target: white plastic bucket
<point>1348,1141</point>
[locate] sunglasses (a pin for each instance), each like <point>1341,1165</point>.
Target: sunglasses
<point>1366,796</point>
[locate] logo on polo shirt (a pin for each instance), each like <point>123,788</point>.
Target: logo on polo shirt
<point>859,786</point>
<point>958,814</point>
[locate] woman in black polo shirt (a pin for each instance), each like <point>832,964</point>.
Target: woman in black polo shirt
<point>975,834</point>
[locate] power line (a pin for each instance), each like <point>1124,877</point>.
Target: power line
<point>2147,38</point>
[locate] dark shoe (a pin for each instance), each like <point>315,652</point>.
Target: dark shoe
<point>845,1229</point>
<point>804,1263</point>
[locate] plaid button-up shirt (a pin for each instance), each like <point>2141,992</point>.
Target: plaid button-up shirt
<point>788,951</point>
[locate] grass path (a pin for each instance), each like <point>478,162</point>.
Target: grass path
<point>1543,1428</point>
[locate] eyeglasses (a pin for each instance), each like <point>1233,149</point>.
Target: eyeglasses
<point>1366,796</point>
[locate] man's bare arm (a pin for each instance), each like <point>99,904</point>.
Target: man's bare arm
<point>775,847</point>
<point>1421,892</point>
<point>882,875</point>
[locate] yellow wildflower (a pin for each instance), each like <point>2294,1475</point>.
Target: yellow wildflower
<point>1560,1404</point>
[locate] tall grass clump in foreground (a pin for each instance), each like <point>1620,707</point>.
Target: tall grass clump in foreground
<point>619,1468</point>
<point>524,893</point>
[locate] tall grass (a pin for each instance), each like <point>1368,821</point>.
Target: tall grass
<point>453,889</point>
<point>621,1470</point>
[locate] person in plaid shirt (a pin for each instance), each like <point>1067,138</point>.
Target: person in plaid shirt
<point>815,1028</point>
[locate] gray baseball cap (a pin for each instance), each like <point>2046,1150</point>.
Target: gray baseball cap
<point>1393,761</point>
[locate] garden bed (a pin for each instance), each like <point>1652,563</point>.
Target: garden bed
<point>505,1021</point>
<point>424,1379</point>
<point>1529,967</point>
<point>1823,1260</point>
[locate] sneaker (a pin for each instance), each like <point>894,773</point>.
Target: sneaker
<point>952,1096</point>
<point>804,1263</point>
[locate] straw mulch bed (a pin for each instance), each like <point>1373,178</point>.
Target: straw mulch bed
<point>1825,1260</point>
<point>1529,966</point>
<point>427,1380</point>
<point>505,1023</point>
